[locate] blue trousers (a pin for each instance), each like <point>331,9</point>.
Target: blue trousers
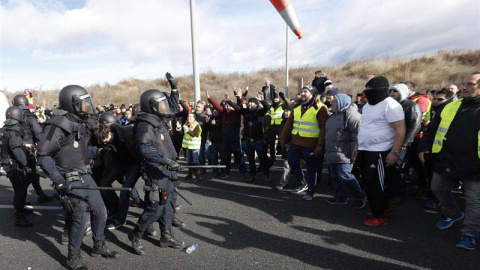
<point>297,153</point>
<point>344,181</point>
<point>260,147</point>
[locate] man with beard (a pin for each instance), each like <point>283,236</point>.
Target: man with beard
<point>253,136</point>
<point>380,140</point>
<point>305,129</point>
<point>453,137</point>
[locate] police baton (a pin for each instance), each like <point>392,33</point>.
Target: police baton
<point>204,166</point>
<point>102,188</point>
<point>183,197</point>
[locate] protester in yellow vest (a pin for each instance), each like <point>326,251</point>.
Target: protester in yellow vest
<point>192,140</point>
<point>454,141</point>
<point>305,129</point>
<point>275,128</point>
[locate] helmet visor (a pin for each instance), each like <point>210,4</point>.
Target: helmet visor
<point>162,106</point>
<point>83,104</point>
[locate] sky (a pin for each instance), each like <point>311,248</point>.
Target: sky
<point>47,44</point>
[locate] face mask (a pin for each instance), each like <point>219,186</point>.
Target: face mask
<point>377,95</point>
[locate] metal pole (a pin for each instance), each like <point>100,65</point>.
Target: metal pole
<point>196,78</point>
<point>300,84</point>
<point>286,60</point>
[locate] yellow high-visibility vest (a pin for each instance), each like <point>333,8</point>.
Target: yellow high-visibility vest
<point>306,125</point>
<point>276,115</point>
<point>189,141</point>
<point>448,114</point>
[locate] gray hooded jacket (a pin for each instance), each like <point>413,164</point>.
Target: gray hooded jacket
<point>341,134</point>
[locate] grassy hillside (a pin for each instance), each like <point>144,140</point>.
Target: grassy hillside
<point>428,72</point>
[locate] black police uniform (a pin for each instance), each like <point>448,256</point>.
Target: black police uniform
<point>64,154</point>
<point>156,149</point>
<point>15,168</point>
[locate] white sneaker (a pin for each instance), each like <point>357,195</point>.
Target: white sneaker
<point>300,189</point>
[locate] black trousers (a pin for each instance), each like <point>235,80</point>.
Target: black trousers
<point>20,185</point>
<point>377,179</point>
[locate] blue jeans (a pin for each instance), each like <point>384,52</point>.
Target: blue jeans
<point>297,153</point>
<point>259,146</point>
<point>442,188</point>
<point>344,181</point>
<point>193,156</point>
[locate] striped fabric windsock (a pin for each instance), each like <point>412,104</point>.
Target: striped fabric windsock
<point>285,8</point>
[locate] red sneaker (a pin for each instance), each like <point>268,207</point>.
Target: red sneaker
<point>388,212</point>
<point>374,222</point>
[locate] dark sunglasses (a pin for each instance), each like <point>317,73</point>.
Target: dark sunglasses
<point>439,99</point>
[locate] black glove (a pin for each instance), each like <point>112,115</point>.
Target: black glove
<point>282,95</point>
<point>108,148</point>
<point>172,165</point>
<point>171,80</point>
<point>61,186</point>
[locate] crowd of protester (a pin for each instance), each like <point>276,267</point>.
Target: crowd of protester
<point>389,136</point>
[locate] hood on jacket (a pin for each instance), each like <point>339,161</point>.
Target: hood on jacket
<point>402,89</point>
<point>343,101</point>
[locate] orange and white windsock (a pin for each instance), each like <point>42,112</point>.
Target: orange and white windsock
<point>285,8</point>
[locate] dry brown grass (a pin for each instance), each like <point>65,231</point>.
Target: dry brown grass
<point>428,72</point>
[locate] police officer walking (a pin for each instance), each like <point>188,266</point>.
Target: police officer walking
<point>32,130</point>
<point>156,148</point>
<point>14,161</point>
<point>64,154</point>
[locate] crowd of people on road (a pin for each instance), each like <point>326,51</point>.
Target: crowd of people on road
<point>371,147</point>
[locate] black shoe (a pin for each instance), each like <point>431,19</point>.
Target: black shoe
<point>177,222</point>
<point>27,211</point>
<point>21,221</point>
<point>101,249</point>
<point>43,198</point>
<point>74,261</point>
<point>167,240</point>
<point>136,239</point>
<point>251,179</point>
<point>152,231</point>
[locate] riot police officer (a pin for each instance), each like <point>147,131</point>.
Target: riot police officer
<point>64,154</point>
<point>156,148</point>
<point>14,161</point>
<point>32,130</point>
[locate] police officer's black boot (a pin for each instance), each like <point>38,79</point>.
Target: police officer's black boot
<point>20,220</point>
<point>136,238</point>
<point>177,222</point>
<point>167,240</point>
<point>101,249</point>
<point>74,261</point>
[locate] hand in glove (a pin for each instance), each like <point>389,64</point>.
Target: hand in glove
<point>171,80</point>
<point>172,165</point>
<point>281,95</point>
<point>61,186</point>
<point>107,148</point>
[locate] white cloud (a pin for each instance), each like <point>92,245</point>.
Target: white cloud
<point>45,43</point>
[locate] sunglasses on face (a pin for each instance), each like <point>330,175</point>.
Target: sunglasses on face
<point>439,99</point>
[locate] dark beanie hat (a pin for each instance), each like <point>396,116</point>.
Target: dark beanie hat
<point>254,100</point>
<point>333,91</point>
<point>312,89</point>
<point>378,82</point>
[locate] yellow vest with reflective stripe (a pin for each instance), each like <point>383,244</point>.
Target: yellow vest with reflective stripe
<point>306,125</point>
<point>276,115</point>
<point>447,115</point>
<point>189,141</point>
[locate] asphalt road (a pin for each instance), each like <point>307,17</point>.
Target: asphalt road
<point>248,226</point>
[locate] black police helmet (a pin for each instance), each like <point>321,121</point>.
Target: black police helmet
<point>75,99</point>
<point>15,113</point>
<point>107,118</point>
<point>155,102</point>
<point>20,101</point>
